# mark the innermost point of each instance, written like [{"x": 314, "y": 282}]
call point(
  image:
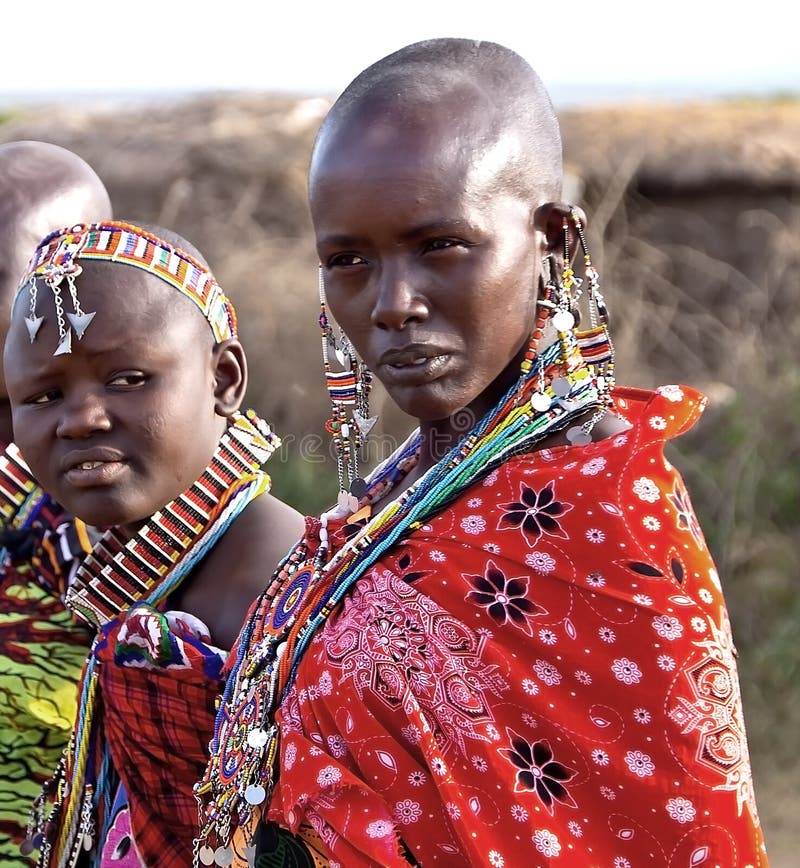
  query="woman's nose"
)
[
  {"x": 399, "y": 301},
  {"x": 82, "y": 416}
]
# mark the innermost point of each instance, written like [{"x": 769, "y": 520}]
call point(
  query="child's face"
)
[{"x": 126, "y": 421}]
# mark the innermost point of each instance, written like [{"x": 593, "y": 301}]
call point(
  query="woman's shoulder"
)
[{"x": 669, "y": 411}]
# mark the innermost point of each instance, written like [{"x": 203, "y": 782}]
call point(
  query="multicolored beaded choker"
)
[
  {"x": 555, "y": 389},
  {"x": 119, "y": 573}
]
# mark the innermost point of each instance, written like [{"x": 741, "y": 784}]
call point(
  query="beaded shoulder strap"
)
[{"x": 20, "y": 493}]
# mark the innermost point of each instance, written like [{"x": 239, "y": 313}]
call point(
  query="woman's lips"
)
[{"x": 414, "y": 369}]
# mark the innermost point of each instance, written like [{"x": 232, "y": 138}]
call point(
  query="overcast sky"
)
[{"x": 583, "y": 50}]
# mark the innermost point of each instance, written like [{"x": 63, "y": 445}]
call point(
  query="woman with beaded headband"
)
[
  {"x": 125, "y": 376},
  {"x": 509, "y": 644}
]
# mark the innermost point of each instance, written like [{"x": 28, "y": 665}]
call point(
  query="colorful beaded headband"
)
[{"x": 56, "y": 260}]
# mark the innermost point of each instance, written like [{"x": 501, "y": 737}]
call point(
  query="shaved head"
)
[
  {"x": 43, "y": 187},
  {"x": 492, "y": 98}
]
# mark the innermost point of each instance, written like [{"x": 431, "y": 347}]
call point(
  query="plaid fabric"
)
[{"x": 159, "y": 679}]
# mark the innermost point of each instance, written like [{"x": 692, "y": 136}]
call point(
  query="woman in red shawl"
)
[{"x": 509, "y": 646}]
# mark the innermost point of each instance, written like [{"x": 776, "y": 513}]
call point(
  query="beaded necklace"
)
[
  {"x": 121, "y": 572},
  {"x": 21, "y": 497},
  {"x": 244, "y": 750}
]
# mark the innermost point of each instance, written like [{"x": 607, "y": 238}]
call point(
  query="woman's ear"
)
[
  {"x": 230, "y": 377},
  {"x": 549, "y": 219}
]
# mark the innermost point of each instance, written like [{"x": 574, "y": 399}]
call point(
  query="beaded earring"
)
[
  {"x": 595, "y": 342},
  {"x": 350, "y": 422}
]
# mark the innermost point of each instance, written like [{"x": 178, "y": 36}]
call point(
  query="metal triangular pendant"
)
[
  {"x": 365, "y": 424},
  {"x": 33, "y": 323},
  {"x": 65, "y": 345},
  {"x": 80, "y": 322}
]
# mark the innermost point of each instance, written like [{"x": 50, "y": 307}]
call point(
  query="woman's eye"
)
[
  {"x": 343, "y": 260},
  {"x": 130, "y": 379},
  {"x": 443, "y": 243}
]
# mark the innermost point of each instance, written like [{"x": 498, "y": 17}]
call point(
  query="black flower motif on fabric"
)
[
  {"x": 538, "y": 771},
  {"x": 536, "y": 513},
  {"x": 506, "y": 600},
  {"x": 276, "y": 847}
]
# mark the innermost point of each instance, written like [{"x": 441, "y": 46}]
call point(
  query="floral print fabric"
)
[{"x": 543, "y": 674}]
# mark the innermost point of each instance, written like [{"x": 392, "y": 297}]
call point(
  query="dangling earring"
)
[
  {"x": 544, "y": 305},
  {"x": 350, "y": 421},
  {"x": 64, "y": 332},
  {"x": 566, "y": 292},
  {"x": 595, "y": 343}
]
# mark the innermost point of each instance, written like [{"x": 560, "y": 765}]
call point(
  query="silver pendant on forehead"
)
[
  {"x": 33, "y": 324},
  {"x": 64, "y": 345},
  {"x": 80, "y": 322}
]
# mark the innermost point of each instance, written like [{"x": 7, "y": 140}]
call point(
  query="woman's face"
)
[{"x": 430, "y": 262}]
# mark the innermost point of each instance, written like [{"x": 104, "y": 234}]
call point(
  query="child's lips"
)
[
  {"x": 88, "y": 474},
  {"x": 84, "y": 468}
]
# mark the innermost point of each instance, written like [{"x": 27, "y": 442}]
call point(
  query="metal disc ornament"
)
[
  {"x": 255, "y": 794},
  {"x": 561, "y": 387},
  {"x": 541, "y": 401},
  {"x": 358, "y": 487},
  {"x": 578, "y": 437},
  {"x": 223, "y": 856},
  {"x": 563, "y": 320}
]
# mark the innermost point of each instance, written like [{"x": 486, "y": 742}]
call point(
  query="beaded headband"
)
[{"x": 56, "y": 260}]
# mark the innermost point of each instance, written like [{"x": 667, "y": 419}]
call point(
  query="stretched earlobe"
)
[
  {"x": 549, "y": 219},
  {"x": 230, "y": 375}
]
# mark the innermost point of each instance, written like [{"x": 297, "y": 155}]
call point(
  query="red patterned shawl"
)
[{"x": 542, "y": 674}]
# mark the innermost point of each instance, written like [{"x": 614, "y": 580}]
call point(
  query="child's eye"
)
[
  {"x": 45, "y": 397},
  {"x": 128, "y": 380},
  {"x": 344, "y": 260}
]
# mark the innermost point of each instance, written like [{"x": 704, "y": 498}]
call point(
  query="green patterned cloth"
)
[{"x": 42, "y": 650}]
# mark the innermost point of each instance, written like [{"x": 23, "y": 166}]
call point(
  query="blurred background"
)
[{"x": 681, "y": 126}]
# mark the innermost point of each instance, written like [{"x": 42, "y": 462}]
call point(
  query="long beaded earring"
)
[
  {"x": 540, "y": 401},
  {"x": 595, "y": 342},
  {"x": 350, "y": 422}
]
